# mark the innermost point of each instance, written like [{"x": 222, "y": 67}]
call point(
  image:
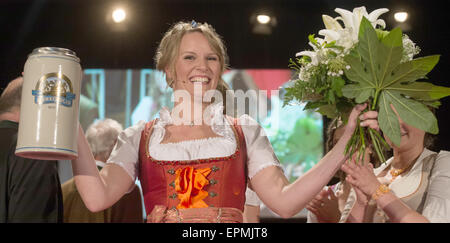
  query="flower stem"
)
[
  {"x": 376, "y": 145},
  {"x": 375, "y": 99}
]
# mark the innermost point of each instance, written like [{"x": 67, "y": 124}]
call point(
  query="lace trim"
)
[
  {"x": 265, "y": 166},
  {"x": 197, "y": 161},
  {"x": 192, "y": 141},
  {"x": 219, "y": 126}
]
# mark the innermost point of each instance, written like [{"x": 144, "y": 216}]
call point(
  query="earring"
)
[{"x": 170, "y": 82}]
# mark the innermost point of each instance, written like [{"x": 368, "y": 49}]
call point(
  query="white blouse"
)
[
  {"x": 259, "y": 150},
  {"x": 437, "y": 203}
]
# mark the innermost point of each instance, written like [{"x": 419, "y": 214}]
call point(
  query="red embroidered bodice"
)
[{"x": 212, "y": 182}]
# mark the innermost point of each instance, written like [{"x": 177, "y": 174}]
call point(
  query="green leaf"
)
[
  {"x": 313, "y": 40},
  {"x": 392, "y": 51},
  {"x": 413, "y": 113},
  {"x": 336, "y": 85},
  {"x": 368, "y": 48},
  {"x": 358, "y": 73},
  {"x": 388, "y": 120},
  {"x": 421, "y": 90},
  {"x": 376, "y": 72},
  {"x": 328, "y": 111},
  {"x": 314, "y": 105},
  {"x": 412, "y": 70},
  {"x": 360, "y": 93},
  {"x": 433, "y": 103}
]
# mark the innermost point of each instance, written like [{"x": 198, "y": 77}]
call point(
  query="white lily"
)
[
  {"x": 347, "y": 35},
  {"x": 331, "y": 23},
  {"x": 312, "y": 54},
  {"x": 353, "y": 19},
  {"x": 315, "y": 54}
]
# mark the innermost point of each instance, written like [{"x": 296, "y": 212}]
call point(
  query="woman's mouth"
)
[{"x": 200, "y": 80}]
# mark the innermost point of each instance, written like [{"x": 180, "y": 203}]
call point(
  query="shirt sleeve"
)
[
  {"x": 126, "y": 150},
  {"x": 259, "y": 149},
  {"x": 251, "y": 198},
  {"x": 34, "y": 191},
  {"x": 437, "y": 204}
]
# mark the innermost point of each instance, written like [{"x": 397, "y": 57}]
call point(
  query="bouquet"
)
[{"x": 360, "y": 62}]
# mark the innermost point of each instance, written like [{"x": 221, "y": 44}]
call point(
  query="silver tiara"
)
[{"x": 194, "y": 24}]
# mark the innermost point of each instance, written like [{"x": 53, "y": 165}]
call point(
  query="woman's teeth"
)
[{"x": 200, "y": 80}]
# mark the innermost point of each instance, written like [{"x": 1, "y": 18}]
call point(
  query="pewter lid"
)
[{"x": 55, "y": 51}]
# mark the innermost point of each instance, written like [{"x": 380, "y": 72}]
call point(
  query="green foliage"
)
[{"x": 380, "y": 79}]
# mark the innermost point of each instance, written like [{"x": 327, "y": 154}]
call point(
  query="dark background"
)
[{"x": 82, "y": 26}]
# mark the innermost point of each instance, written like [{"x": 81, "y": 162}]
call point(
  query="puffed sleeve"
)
[
  {"x": 437, "y": 203},
  {"x": 259, "y": 150},
  {"x": 126, "y": 150}
]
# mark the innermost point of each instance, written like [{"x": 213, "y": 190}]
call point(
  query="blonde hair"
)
[{"x": 168, "y": 48}]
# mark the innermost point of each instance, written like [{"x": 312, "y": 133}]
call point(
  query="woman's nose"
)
[{"x": 202, "y": 64}]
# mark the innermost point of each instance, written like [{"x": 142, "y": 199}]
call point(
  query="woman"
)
[
  {"x": 412, "y": 186},
  {"x": 194, "y": 166}
]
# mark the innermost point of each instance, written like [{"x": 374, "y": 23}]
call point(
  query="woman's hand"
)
[
  {"x": 325, "y": 206},
  {"x": 361, "y": 198},
  {"x": 367, "y": 119},
  {"x": 361, "y": 177}
]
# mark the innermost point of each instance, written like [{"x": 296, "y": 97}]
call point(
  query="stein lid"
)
[{"x": 55, "y": 51}]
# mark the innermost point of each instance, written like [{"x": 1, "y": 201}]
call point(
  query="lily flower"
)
[
  {"x": 353, "y": 19},
  {"x": 336, "y": 32},
  {"x": 312, "y": 54}
]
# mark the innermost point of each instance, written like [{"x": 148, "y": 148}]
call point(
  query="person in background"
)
[
  {"x": 412, "y": 186},
  {"x": 328, "y": 205},
  {"x": 30, "y": 190},
  {"x": 102, "y": 136}
]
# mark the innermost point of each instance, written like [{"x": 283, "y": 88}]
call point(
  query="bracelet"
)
[{"x": 381, "y": 190}]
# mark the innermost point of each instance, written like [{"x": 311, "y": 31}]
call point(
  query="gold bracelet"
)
[{"x": 381, "y": 190}]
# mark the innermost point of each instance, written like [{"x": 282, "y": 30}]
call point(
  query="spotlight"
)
[
  {"x": 118, "y": 15},
  {"x": 401, "y": 16},
  {"x": 263, "y": 22},
  {"x": 263, "y": 19}
]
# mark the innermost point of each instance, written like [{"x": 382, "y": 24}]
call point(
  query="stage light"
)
[
  {"x": 118, "y": 15},
  {"x": 263, "y": 19},
  {"x": 401, "y": 16}
]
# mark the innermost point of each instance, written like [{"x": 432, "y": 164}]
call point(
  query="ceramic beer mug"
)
[{"x": 48, "y": 126}]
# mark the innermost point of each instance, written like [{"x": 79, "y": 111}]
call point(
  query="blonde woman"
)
[{"x": 194, "y": 162}]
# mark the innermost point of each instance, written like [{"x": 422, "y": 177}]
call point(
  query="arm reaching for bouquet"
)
[{"x": 288, "y": 199}]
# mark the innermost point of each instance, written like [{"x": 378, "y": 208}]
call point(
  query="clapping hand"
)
[
  {"x": 361, "y": 177},
  {"x": 325, "y": 206}
]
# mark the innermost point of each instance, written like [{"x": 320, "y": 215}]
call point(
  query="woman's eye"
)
[
  {"x": 189, "y": 57},
  {"x": 212, "y": 58}
]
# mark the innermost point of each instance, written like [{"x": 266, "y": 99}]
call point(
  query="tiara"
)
[{"x": 194, "y": 24}]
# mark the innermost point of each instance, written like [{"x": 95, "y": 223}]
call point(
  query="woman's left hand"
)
[
  {"x": 367, "y": 119},
  {"x": 362, "y": 177}
]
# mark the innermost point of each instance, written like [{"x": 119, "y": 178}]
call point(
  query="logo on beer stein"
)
[{"x": 52, "y": 88}]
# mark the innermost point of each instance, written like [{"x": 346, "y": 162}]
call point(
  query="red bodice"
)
[{"x": 212, "y": 182}]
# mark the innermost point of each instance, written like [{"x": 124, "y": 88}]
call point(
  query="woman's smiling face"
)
[{"x": 197, "y": 65}]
